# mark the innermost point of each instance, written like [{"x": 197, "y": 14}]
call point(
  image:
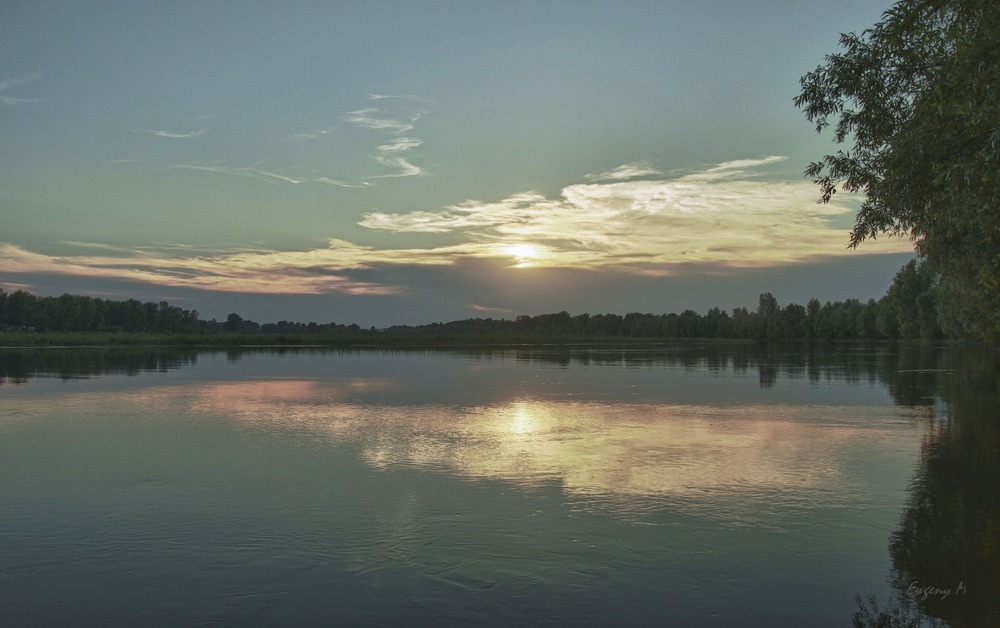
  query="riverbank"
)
[{"x": 366, "y": 339}]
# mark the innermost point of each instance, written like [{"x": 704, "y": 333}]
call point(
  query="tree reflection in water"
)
[{"x": 946, "y": 552}]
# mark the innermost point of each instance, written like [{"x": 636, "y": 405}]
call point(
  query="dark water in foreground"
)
[{"x": 676, "y": 485}]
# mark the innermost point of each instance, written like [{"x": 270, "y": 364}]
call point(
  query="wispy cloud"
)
[
  {"x": 371, "y": 118},
  {"x": 172, "y": 134},
  {"x": 14, "y": 101},
  {"x": 625, "y": 171},
  {"x": 392, "y": 155},
  {"x": 405, "y": 97},
  {"x": 11, "y": 286},
  {"x": 736, "y": 169},
  {"x": 728, "y": 214},
  {"x": 260, "y": 174},
  {"x": 317, "y": 271},
  {"x": 499, "y": 310},
  {"x": 314, "y": 134},
  {"x": 100, "y": 246},
  {"x": 399, "y": 115},
  {"x": 262, "y": 271}
]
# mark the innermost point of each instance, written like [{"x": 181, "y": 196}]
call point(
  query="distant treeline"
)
[
  {"x": 24, "y": 311},
  {"x": 916, "y": 306}
]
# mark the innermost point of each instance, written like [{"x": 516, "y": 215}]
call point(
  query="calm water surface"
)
[{"x": 698, "y": 486}]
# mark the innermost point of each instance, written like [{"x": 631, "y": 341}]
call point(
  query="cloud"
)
[
  {"x": 314, "y": 271},
  {"x": 483, "y": 308},
  {"x": 248, "y": 270},
  {"x": 172, "y": 134},
  {"x": 267, "y": 175},
  {"x": 625, "y": 171},
  {"x": 6, "y": 84},
  {"x": 14, "y": 101},
  {"x": 407, "y": 97},
  {"x": 261, "y": 271},
  {"x": 740, "y": 168},
  {"x": 391, "y": 155},
  {"x": 99, "y": 246},
  {"x": 14, "y": 287},
  {"x": 314, "y": 134},
  {"x": 728, "y": 213},
  {"x": 370, "y": 119},
  {"x": 398, "y": 116},
  {"x": 724, "y": 215}
]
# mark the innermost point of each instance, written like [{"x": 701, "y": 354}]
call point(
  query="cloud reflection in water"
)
[{"x": 620, "y": 454}]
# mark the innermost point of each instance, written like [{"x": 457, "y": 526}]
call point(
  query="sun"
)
[{"x": 524, "y": 254}]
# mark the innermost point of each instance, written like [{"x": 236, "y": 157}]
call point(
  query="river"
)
[{"x": 696, "y": 485}]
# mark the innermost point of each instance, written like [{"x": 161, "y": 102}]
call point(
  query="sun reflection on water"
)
[
  {"x": 594, "y": 450},
  {"x": 524, "y": 422},
  {"x": 622, "y": 453}
]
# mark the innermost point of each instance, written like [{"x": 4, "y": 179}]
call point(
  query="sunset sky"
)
[{"x": 412, "y": 162}]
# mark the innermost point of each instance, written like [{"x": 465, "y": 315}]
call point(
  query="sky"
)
[{"x": 410, "y": 162}]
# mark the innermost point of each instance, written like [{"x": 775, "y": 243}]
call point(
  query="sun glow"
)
[
  {"x": 723, "y": 215},
  {"x": 524, "y": 254}
]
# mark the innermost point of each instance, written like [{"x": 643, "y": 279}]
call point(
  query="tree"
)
[
  {"x": 767, "y": 312},
  {"x": 767, "y": 305},
  {"x": 919, "y": 96},
  {"x": 717, "y": 324},
  {"x": 887, "y": 319},
  {"x": 913, "y": 294},
  {"x": 813, "y": 309},
  {"x": 866, "y": 321},
  {"x": 21, "y": 308},
  {"x": 961, "y": 314},
  {"x": 234, "y": 322},
  {"x": 793, "y": 321},
  {"x": 947, "y": 532}
]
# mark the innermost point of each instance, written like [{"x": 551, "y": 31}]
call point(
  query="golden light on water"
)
[
  {"x": 523, "y": 421},
  {"x": 623, "y": 456},
  {"x": 617, "y": 451},
  {"x": 622, "y": 449}
]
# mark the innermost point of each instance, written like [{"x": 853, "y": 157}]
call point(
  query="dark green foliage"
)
[
  {"x": 945, "y": 551},
  {"x": 895, "y": 615},
  {"x": 918, "y": 95},
  {"x": 913, "y": 298},
  {"x": 919, "y": 305},
  {"x": 840, "y": 320},
  {"x": 70, "y": 313}
]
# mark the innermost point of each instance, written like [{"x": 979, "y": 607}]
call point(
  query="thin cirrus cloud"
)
[
  {"x": 268, "y": 175},
  {"x": 724, "y": 215},
  {"x": 372, "y": 118},
  {"x": 625, "y": 171},
  {"x": 398, "y": 115},
  {"x": 393, "y": 114},
  {"x": 392, "y": 155},
  {"x": 14, "y": 101},
  {"x": 172, "y": 134},
  {"x": 314, "y": 134}
]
